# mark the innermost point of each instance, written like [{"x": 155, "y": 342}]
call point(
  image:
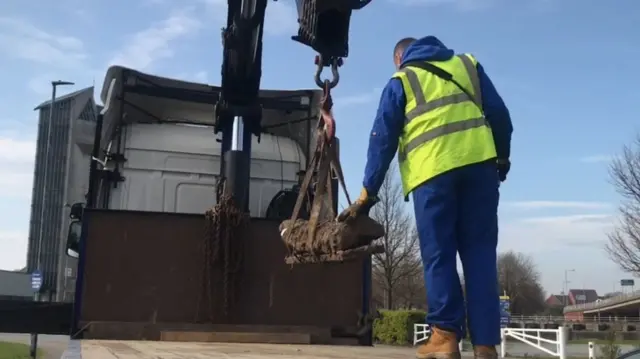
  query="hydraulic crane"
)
[{"x": 323, "y": 26}]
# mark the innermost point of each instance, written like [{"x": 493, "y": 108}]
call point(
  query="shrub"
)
[
  {"x": 396, "y": 326},
  {"x": 609, "y": 349}
]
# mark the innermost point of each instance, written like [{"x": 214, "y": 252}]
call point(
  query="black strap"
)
[{"x": 443, "y": 75}]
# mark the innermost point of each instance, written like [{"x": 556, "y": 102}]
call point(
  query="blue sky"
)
[{"x": 565, "y": 69}]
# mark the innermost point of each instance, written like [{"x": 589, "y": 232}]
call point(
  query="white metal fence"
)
[
  {"x": 534, "y": 338},
  {"x": 421, "y": 333}
]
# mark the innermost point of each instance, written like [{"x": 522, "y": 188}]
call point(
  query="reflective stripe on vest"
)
[
  {"x": 441, "y": 131},
  {"x": 422, "y": 106},
  {"x": 429, "y": 130}
]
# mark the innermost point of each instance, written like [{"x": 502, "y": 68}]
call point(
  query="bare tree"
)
[
  {"x": 624, "y": 241},
  {"x": 520, "y": 280},
  {"x": 397, "y": 273}
]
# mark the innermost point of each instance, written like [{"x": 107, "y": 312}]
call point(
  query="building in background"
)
[
  {"x": 67, "y": 166},
  {"x": 582, "y": 296},
  {"x": 557, "y": 301},
  {"x": 15, "y": 285},
  {"x": 575, "y": 296}
]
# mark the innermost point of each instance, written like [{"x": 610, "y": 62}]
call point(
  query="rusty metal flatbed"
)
[{"x": 104, "y": 349}]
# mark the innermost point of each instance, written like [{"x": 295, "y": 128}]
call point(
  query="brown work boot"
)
[
  {"x": 440, "y": 345},
  {"x": 485, "y": 352}
]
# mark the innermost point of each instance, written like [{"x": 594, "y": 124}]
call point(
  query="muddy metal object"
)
[
  {"x": 333, "y": 241},
  {"x": 326, "y": 240}
]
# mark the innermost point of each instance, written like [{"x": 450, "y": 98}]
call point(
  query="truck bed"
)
[{"x": 103, "y": 349}]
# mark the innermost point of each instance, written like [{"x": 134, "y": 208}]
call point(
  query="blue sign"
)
[
  {"x": 36, "y": 280},
  {"x": 505, "y": 311}
]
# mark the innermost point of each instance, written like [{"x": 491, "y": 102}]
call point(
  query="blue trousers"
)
[{"x": 457, "y": 213}]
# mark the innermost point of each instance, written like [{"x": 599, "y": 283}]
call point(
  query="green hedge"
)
[{"x": 396, "y": 326}]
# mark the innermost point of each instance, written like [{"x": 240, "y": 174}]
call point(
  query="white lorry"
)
[{"x": 145, "y": 286}]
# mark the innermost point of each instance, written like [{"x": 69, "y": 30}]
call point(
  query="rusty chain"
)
[
  {"x": 222, "y": 243},
  {"x": 223, "y": 254}
]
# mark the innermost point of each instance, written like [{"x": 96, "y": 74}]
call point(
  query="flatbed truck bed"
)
[{"x": 115, "y": 349}]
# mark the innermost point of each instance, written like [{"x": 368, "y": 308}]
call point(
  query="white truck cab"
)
[{"x": 174, "y": 168}]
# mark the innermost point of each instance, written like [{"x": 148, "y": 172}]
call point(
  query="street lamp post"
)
[
  {"x": 45, "y": 179},
  {"x": 566, "y": 286}
]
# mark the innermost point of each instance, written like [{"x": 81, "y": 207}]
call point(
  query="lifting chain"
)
[
  {"x": 326, "y": 119},
  {"x": 326, "y": 103},
  {"x": 324, "y": 164},
  {"x": 223, "y": 254}
]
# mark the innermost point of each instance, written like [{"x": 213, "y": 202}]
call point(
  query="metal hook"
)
[{"x": 334, "y": 64}]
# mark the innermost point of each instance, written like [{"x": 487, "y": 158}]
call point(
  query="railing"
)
[
  {"x": 603, "y": 303},
  {"x": 551, "y": 318},
  {"x": 421, "y": 332},
  {"x": 536, "y": 340}
]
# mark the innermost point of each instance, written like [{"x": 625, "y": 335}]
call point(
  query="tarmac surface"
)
[{"x": 55, "y": 346}]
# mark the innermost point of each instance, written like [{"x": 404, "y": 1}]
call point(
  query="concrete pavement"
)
[{"x": 55, "y": 345}]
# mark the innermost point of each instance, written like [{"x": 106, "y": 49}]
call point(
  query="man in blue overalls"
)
[{"x": 452, "y": 132}]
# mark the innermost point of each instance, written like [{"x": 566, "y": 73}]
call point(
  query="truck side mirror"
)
[
  {"x": 76, "y": 211},
  {"x": 73, "y": 239}
]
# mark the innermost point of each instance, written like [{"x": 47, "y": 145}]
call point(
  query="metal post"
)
[
  {"x": 592, "y": 350},
  {"x": 563, "y": 334},
  {"x": 503, "y": 343},
  {"x": 54, "y": 85}
]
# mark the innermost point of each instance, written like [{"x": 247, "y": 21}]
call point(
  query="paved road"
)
[
  {"x": 519, "y": 349},
  {"x": 55, "y": 345}
]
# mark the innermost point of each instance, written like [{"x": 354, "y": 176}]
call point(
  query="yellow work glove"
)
[{"x": 361, "y": 206}]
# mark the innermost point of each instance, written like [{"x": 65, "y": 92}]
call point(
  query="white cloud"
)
[
  {"x": 199, "y": 76},
  {"x": 41, "y": 84},
  {"x": 534, "y": 205},
  {"x": 463, "y": 5},
  {"x": 154, "y": 43},
  {"x": 560, "y": 242},
  {"x": 280, "y": 19},
  {"x": 16, "y": 151},
  {"x": 16, "y": 165},
  {"x": 17, "y": 157},
  {"x": 21, "y": 39},
  {"x": 358, "y": 99},
  {"x": 536, "y": 234},
  {"x": 596, "y": 159},
  {"x": 12, "y": 243}
]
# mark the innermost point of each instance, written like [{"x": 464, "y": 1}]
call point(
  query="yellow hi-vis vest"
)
[{"x": 444, "y": 128}]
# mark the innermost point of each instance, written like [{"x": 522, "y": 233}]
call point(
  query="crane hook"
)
[{"x": 334, "y": 63}]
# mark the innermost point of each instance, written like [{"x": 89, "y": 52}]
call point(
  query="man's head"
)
[{"x": 398, "y": 51}]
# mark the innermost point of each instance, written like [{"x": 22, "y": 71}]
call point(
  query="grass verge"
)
[{"x": 16, "y": 351}]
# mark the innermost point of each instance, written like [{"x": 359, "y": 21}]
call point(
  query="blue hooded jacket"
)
[{"x": 389, "y": 121}]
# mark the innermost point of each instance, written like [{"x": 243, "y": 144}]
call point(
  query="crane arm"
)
[{"x": 323, "y": 26}]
